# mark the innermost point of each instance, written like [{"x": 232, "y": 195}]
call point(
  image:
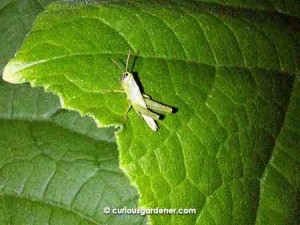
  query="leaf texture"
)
[{"x": 231, "y": 72}]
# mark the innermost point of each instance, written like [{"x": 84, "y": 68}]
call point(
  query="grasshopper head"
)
[{"x": 127, "y": 77}]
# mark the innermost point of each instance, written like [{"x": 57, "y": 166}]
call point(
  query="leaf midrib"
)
[{"x": 28, "y": 65}]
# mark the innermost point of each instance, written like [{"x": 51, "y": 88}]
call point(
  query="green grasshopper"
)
[{"x": 141, "y": 102}]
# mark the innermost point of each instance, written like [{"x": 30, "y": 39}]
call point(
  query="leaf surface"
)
[
  {"x": 230, "y": 72},
  {"x": 55, "y": 166}
]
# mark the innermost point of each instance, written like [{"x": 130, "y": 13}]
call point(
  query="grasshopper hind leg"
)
[
  {"x": 157, "y": 107},
  {"x": 145, "y": 111}
]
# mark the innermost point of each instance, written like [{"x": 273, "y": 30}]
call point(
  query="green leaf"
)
[
  {"x": 231, "y": 73},
  {"x": 291, "y": 7},
  {"x": 55, "y": 166},
  {"x": 16, "y": 18},
  {"x": 64, "y": 176},
  {"x": 279, "y": 201},
  {"x": 57, "y": 163}
]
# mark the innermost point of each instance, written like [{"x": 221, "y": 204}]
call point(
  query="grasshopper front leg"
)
[{"x": 128, "y": 109}]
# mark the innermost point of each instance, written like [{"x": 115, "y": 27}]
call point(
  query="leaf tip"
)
[{"x": 11, "y": 75}]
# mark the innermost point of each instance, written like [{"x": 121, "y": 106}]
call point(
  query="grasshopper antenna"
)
[
  {"x": 127, "y": 61},
  {"x": 118, "y": 65}
]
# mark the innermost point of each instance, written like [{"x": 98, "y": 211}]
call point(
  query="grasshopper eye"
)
[{"x": 125, "y": 75}]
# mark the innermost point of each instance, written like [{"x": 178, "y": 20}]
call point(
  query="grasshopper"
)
[{"x": 142, "y": 103}]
